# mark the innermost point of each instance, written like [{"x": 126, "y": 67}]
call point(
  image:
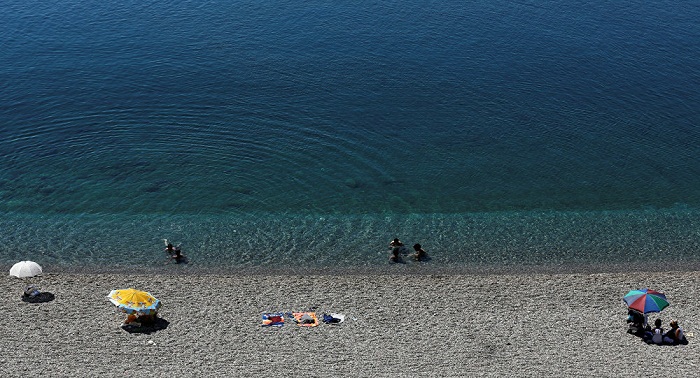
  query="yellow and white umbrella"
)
[{"x": 132, "y": 301}]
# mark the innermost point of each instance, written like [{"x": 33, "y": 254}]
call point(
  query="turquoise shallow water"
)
[
  {"x": 284, "y": 133},
  {"x": 508, "y": 240}
]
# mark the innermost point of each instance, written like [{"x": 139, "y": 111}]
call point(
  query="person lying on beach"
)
[
  {"x": 31, "y": 291},
  {"x": 306, "y": 319},
  {"x": 420, "y": 253}
]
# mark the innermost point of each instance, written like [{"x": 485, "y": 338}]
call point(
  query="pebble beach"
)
[
  {"x": 544, "y": 154},
  {"x": 450, "y": 325}
]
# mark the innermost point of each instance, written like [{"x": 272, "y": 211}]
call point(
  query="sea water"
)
[{"x": 311, "y": 133}]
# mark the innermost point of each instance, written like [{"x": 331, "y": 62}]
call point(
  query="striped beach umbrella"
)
[
  {"x": 645, "y": 300},
  {"x": 132, "y": 301}
]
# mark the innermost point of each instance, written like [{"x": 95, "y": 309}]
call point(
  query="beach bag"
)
[{"x": 330, "y": 319}]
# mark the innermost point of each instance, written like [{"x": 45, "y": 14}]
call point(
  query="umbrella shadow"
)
[
  {"x": 39, "y": 298},
  {"x": 157, "y": 325}
]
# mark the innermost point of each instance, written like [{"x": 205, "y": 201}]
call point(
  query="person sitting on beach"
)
[
  {"x": 675, "y": 335},
  {"x": 148, "y": 320},
  {"x": 636, "y": 322},
  {"x": 131, "y": 320},
  {"x": 656, "y": 335},
  {"x": 420, "y": 253}
]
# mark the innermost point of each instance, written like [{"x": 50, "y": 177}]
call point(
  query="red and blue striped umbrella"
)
[{"x": 645, "y": 300}]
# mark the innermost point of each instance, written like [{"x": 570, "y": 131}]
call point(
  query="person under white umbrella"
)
[{"x": 31, "y": 293}]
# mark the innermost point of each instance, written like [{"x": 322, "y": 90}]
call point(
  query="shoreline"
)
[
  {"x": 494, "y": 242},
  {"x": 396, "y": 325},
  {"x": 384, "y": 268}
]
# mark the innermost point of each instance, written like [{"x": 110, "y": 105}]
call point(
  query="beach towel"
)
[
  {"x": 306, "y": 319},
  {"x": 275, "y": 319},
  {"x": 333, "y": 318}
]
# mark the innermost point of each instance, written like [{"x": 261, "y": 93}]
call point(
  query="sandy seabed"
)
[{"x": 453, "y": 325}]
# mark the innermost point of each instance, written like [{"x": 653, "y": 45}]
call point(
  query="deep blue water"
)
[{"x": 310, "y": 133}]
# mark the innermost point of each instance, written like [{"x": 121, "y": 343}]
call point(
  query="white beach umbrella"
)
[{"x": 24, "y": 269}]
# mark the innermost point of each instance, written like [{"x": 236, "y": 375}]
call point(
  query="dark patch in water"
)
[
  {"x": 392, "y": 182},
  {"x": 46, "y": 190},
  {"x": 47, "y": 152},
  {"x": 242, "y": 190},
  {"x": 122, "y": 169},
  {"x": 13, "y": 175},
  {"x": 157, "y": 186},
  {"x": 353, "y": 184},
  {"x": 236, "y": 205}
]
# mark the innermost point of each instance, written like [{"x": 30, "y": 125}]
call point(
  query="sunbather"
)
[
  {"x": 273, "y": 319},
  {"x": 306, "y": 319},
  {"x": 31, "y": 291}
]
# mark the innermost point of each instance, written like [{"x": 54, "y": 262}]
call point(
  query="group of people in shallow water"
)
[
  {"x": 396, "y": 246},
  {"x": 174, "y": 253},
  {"x": 638, "y": 326}
]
